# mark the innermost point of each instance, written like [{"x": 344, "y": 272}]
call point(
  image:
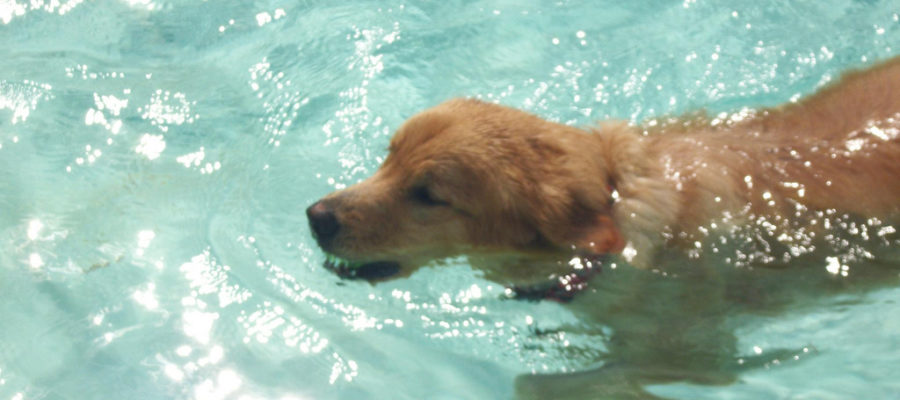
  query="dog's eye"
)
[{"x": 423, "y": 195}]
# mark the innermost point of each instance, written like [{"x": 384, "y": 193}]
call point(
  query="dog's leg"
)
[
  {"x": 665, "y": 328},
  {"x": 602, "y": 383},
  {"x": 561, "y": 288}
]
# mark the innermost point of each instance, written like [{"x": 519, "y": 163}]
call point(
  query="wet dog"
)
[
  {"x": 470, "y": 177},
  {"x": 774, "y": 195}
]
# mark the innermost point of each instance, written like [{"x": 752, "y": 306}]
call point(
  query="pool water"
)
[{"x": 156, "y": 159}]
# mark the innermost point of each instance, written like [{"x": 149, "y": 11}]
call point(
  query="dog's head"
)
[{"x": 471, "y": 177}]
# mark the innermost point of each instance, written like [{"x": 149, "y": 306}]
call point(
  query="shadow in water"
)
[{"x": 679, "y": 326}]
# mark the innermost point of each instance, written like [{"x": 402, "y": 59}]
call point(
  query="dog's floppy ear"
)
[
  {"x": 583, "y": 221},
  {"x": 599, "y": 236}
]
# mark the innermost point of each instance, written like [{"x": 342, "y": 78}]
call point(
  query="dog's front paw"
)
[{"x": 561, "y": 289}]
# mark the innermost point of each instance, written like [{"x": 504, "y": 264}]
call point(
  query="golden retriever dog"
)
[
  {"x": 484, "y": 180},
  {"x": 473, "y": 177}
]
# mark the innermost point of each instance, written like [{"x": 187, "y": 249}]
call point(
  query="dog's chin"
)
[{"x": 373, "y": 271}]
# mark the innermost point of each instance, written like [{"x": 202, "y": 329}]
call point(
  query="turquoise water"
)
[{"x": 156, "y": 159}]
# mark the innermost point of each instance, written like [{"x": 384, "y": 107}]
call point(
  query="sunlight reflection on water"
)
[{"x": 159, "y": 157}]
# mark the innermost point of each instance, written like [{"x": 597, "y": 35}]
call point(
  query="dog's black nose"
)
[{"x": 323, "y": 222}]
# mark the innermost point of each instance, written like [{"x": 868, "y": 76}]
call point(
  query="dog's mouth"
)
[{"x": 369, "y": 271}]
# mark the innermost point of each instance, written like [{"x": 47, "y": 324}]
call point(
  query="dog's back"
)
[
  {"x": 838, "y": 149},
  {"x": 858, "y": 98},
  {"x": 851, "y": 134}
]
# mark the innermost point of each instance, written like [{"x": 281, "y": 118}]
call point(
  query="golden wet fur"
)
[
  {"x": 805, "y": 181},
  {"x": 470, "y": 177}
]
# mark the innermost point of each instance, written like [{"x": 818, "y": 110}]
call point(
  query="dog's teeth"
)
[{"x": 340, "y": 264}]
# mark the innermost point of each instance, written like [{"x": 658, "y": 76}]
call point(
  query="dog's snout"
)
[{"x": 323, "y": 222}]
